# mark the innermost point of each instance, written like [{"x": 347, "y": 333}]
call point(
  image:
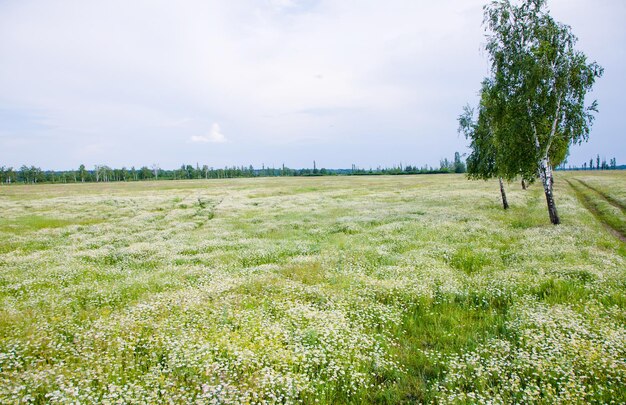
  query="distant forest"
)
[{"x": 103, "y": 173}]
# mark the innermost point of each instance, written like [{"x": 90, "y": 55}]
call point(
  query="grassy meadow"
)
[{"x": 402, "y": 289}]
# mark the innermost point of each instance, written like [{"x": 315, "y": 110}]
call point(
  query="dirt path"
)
[
  {"x": 606, "y": 197},
  {"x": 589, "y": 205}
]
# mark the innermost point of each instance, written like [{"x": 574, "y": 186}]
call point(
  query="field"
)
[{"x": 357, "y": 290}]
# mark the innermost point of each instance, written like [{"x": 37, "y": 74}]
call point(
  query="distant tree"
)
[
  {"x": 540, "y": 81},
  {"x": 155, "y": 170},
  {"x": 459, "y": 166},
  {"x": 37, "y": 174},
  {"x": 10, "y": 175},
  {"x": 145, "y": 173},
  {"x": 24, "y": 174},
  {"x": 444, "y": 165},
  {"x": 82, "y": 173},
  {"x": 107, "y": 173},
  {"x": 189, "y": 172}
]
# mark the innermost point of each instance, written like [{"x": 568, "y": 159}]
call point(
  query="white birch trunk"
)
[{"x": 547, "y": 179}]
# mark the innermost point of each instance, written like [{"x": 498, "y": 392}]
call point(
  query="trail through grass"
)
[
  {"x": 608, "y": 210},
  {"x": 607, "y": 197}
]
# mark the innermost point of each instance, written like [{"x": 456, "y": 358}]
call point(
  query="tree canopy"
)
[{"x": 533, "y": 105}]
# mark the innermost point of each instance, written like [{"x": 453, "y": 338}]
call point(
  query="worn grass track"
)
[
  {"x": 607, "y": 210},
  {"x": 607, "y": 197}
]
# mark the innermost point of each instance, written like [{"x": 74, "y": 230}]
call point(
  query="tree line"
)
[
  {"x": 599, "y": 165},
  {"x": 103, "y": 173}
]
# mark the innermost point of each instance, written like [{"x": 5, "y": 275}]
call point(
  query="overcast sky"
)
[{"x": 239, "y": 82}]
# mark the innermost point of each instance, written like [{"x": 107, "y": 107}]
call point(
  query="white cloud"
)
[
  {"x": 215, "y": 135},
  {"x": 281, "y": 4}
]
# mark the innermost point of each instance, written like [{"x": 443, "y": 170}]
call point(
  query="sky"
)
[{"x": 265, "y": 82}]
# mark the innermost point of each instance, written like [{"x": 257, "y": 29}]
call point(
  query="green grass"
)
[
  {"x": 312, "y": 290},
  {"x": 31, "y": 223}
]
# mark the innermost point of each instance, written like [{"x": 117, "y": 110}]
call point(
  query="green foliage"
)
[{"x": 539, "y": 80}]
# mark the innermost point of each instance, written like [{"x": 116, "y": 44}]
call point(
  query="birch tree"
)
[
  {"x": 82, "y": 172},
  {"x": 482, "y": 163},
  {"x": 10, "y": 175},
  {"x": 540, "y": 82}
]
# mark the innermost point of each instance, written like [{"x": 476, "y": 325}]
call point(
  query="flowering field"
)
[{"x": 301, "y": 290}]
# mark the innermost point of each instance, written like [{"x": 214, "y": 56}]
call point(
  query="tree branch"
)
[{"x": 554, "y": 124}]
